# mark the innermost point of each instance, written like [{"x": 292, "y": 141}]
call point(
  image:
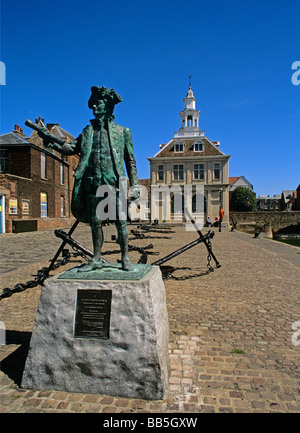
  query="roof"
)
[
  {"x": 210, "y": 149},
  {"x": 55, "y": 129},
  {"x": 12, "y": 138},
  {"x": 232, "y": 180},
  {"x": 263, "y": 197},
  {"x": 288, "y": 195},
  {"x": 145, "y": 183},
  {"x": 60, "y": 132}
]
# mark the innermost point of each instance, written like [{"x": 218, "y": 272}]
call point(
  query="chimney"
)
[
  {"x": 39, "y": 120},
  {"x": 51, "y": 125},
  {"x": 18, "y": 130}
]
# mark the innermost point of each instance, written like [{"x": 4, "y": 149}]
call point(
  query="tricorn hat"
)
[{"x": 104, "y": 93}]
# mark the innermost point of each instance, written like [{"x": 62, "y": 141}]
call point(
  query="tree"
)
[{"x": 243, "y": 199}]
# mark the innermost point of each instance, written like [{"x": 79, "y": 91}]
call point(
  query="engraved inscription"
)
[{"x": 92, "y": 316}]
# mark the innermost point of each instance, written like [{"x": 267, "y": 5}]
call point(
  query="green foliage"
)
[
  {"x": 243, "y": 200},
  {"x": 239, "y": 351}
]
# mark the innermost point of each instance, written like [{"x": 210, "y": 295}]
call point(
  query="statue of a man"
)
[{"x": 103, "y": 146}]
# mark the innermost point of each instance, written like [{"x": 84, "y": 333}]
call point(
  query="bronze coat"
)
[{"x": 122, "y": 151}]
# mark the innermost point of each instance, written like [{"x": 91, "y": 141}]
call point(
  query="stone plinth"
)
[{"x": 131, "y": 360}]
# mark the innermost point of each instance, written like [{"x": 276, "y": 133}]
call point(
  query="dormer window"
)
[
  {"x": 198, "y": 146},
  {"x": 178, "y": 146}
]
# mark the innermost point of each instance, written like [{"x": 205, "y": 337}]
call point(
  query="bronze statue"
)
[{"x": 103, "y": 146}]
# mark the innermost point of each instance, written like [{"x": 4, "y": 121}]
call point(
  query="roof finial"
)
[{"x": 190, "y": 82}]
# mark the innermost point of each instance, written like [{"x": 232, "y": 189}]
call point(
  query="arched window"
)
[
  {"x": 197, "y": 203},
  {"x": 177, "y": 203}
]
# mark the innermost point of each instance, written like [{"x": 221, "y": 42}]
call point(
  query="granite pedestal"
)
[{"x": 101, "y": 336}]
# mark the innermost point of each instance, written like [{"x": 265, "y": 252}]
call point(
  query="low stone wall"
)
[
  {"x": 250, "y": 221},
  {"x": 54, "y": 223},
  {"x": 45, "y": 223}
]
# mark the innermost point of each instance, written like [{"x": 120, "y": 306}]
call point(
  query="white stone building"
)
[{"x": 194, "y": 164}]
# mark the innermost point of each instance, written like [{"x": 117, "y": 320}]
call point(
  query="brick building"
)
[
  {"x": 35, "y": 182},
  {"x": 268, "y": 203}
]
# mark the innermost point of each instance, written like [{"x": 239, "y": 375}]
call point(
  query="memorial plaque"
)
[{"x": 92, "y": 316}]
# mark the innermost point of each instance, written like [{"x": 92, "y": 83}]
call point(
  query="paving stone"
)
[{"x": 250, "y": 303}]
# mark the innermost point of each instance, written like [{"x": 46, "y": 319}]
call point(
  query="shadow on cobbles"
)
[{"x": 13, "y": 365}]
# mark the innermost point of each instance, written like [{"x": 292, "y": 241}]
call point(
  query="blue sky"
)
[{"x": 239, "y": 53}]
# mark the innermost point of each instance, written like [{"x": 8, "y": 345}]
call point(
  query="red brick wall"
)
[
  {"x": 54, "y": 223},
  {"x": 25, "y": 183},
  {"x": 19, "y": 162},
  {"x": 8, "y": 187}
]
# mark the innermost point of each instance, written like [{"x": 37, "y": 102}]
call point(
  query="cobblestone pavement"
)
[{"x": 231, "y": 332}]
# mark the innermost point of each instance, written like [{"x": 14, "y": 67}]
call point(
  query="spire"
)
[
  {"x": 189, "y": 116},
  {"x": 190, "y": 100},
  {"x": 190, "y": 93}
]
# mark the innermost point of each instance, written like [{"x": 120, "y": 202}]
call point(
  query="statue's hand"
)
[
  {"x": 135, "y": 192},
  {"x": 53, "y": 146},
  {"x": 48, "y": 139}
]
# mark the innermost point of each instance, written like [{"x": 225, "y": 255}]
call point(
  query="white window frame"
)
[
  {"x": 13, "y": 210},
  {"x": 178, "y": 170},
  {"x": 62, "y": 206},
  {"x": 43, "y": 165},
  {"x": 198, "y": 143},
  {"x": 217, "y": 167},
  {"x": 28, "y": 203},
  {"x": 199, "y": 169},
  {"x": 179, "y": 146},
  {"x": 61, "y": 172},
  {"x": 160, "y": 171}
]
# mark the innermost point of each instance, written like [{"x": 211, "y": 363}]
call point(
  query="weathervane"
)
[{"x": 190, "y": 83}]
